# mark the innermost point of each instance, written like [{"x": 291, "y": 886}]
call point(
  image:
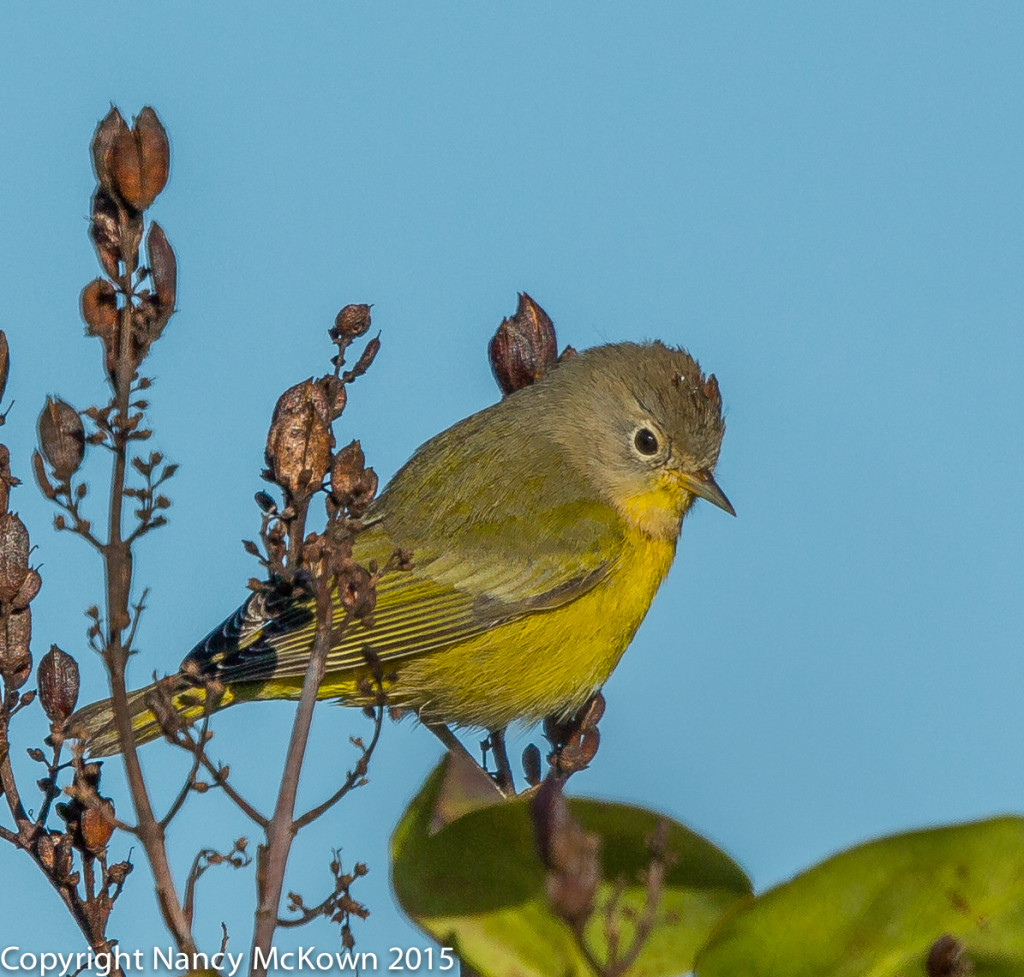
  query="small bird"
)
[{"x": 540, "y": 530}]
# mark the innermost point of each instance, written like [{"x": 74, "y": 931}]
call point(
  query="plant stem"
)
[
  {"x": 273, "y": 857},
  {"x": 117, "y": 565}
]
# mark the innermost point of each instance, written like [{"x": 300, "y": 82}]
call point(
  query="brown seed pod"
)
[
  {"x": 99, "y": 307},
  {"x": 5, "y": 362},
  {"x": 14, "y": 547},
  {"x": 125, "y": 169},
  {"x": 103, "y": 142},
  {"x": 15, "y": 658},
  {"x": 334, "y": 392},
  {"x": 61, "y": 438},
  {"x": 163, "y": 267},
  {"x": 39, "y": 469},
  {"x": 118, "y": 872},
  {"x": 27, "y": 591},
  {"x": 348, "y": 463},
  {"x": 46, "y": 852},
  {"x": 524, "y": 348},
  {"x": 7, "y": 480},
  {"x": 299, "y": 442},
  {"x": 353, "y": 485},
  {"x": 531, "y": 765},
  {"x": 57, "y": 675},
  {"x": 366, "y": 358},
  {"x": 351, "y": 323},
  {"x": 96, "y": 826},
  {"x": 136, "y": 161},
  {"x": 154, "y": 155}
]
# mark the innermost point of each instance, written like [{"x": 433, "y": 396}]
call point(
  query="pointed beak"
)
[{"x": 703, "y": 484}]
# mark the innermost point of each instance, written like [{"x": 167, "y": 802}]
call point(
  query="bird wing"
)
[
  {"x": 447, "y": 597},
  {"x": 499, "y": 525}
]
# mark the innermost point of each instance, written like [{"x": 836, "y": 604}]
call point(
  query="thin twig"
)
[
  {"x": 197, "y": 747},
  {"x": 449, "y": 739},
  {"x": 240, "y": 802},
  {"x": 190, "y": 780},
  {"x": 186, "y": 789},
  {"x": 138, "y": 607},
  {"x": 205, "y": 858},
  {"x": 53, "y": 768}
]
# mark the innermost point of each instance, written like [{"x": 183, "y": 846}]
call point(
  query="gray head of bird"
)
[{"x": 646, "y": 426}]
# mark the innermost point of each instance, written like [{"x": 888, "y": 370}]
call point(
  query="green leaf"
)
[
  {"x": 476, "y": 884},
  {"x": 875, "y": 910}
]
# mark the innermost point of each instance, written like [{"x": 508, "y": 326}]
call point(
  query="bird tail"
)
[{"x": 175, "y": 698}]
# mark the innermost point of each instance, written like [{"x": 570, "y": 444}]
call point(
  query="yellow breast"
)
[{"x": 546, "y": 662}]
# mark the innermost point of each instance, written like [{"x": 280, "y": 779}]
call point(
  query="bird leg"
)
[
  {"x": 448, "y": 738},
  {"x": 495, "y": 742}
]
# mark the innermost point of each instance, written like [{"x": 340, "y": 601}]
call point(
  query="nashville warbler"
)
[{"x": 540, "y": 529}]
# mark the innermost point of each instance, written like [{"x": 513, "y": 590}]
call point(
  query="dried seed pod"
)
[
  {"x": 103, "y": 142},
  {"x": 99, "y": 307},
  {"x": 363, "y": 493},
  {"x": 15, "y": 658},
  {"x": 524, "y": 348},
  {"x": 366, "y": 358},
  {"x": 46, "y": 852},
  {"x": 348, "y": 462},
  {"x": 164, "y": 269},
  {"x": 61, "y": 438},
  {"x": 334, "y": 392},
  {"x": 96, "y": 826},
  {"x": 39, "y": 468},
  {"x": 57, "y": 675},
  {"x": 531, "y": 764},
  {"x": 64, "y": 859},
  {"x": 137, "y": 160},
  {"x": 353, "y": 485},
  {"x": 14, "y": 547},
  {"x": 5, "y": 362},
  {"x": 154, "y": 155},
  {"x": 7, "y": 480},
  {"x": 27, "y": 591},
  {"x": 351, "y": 323},
  {"x": 299, "y": 442},
  {"x": 118, "y": 872},
  {"x": 124, "y": 167}
]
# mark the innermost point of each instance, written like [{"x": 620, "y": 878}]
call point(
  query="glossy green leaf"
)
[
  {"x": 477, "y": 885},
  {"x": 876, "y": 910}
]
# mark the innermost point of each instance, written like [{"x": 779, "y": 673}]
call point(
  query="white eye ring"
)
[{"x": 646, "y": 442}]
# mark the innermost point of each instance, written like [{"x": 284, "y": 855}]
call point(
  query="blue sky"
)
[{"x": 822, "y": 203}]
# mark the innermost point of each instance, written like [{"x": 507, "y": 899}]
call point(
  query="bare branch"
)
[{"x": 207, "y": 857}]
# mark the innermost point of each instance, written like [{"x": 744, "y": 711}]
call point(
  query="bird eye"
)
[{"x": 645, "y": 441}]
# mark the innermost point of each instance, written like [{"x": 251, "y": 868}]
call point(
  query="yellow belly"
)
[{"x": 544, "y": 663}]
